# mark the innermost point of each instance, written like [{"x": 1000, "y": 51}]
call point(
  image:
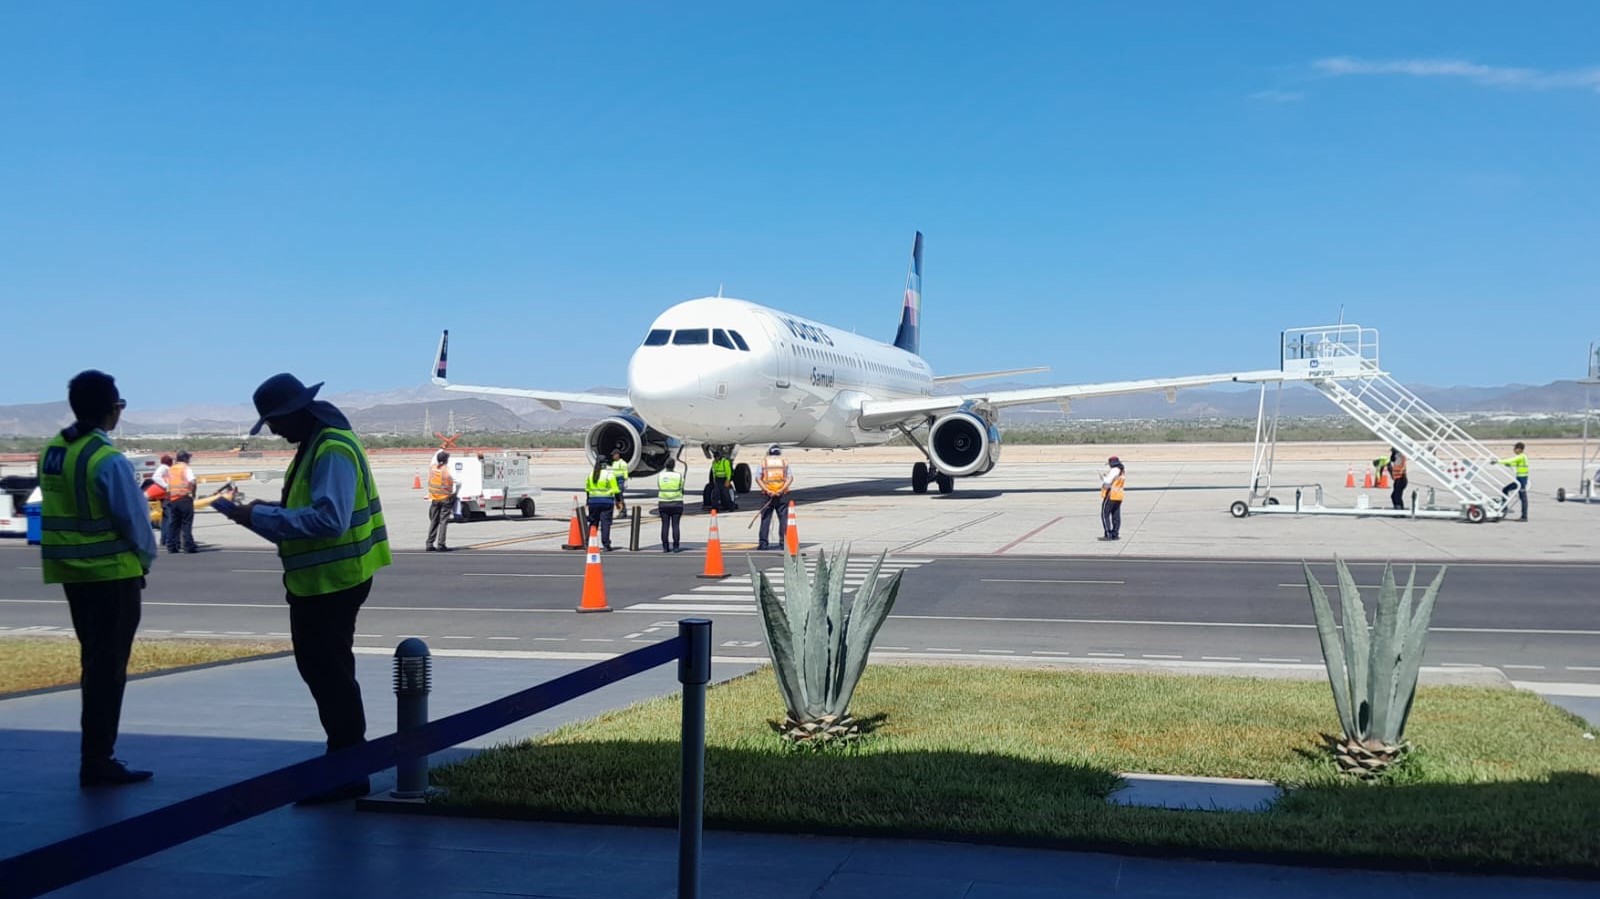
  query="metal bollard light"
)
[
  {"x": 694, "y": 672},
  {"x": 413, "y": 681},
  {"x": 633, "y": 533}
]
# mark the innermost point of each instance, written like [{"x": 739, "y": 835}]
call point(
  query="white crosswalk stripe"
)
[{"x": 736, "y": 595}]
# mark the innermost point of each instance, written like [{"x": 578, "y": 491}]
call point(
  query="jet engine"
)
[
  {"x": 964, "y": 444},
  {"x": 645, "y": 449}
]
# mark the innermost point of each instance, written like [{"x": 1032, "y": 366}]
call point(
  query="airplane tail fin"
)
[
  {"x": 441, "y": 359},
  {"x": 911, "y": 310}
]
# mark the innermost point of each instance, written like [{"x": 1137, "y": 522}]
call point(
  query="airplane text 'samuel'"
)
[{"x": 723, "y": 372}]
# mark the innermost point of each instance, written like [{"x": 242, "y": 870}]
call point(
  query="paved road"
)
[{"x": 1536, "y": 622}]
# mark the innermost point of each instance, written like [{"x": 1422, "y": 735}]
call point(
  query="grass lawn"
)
[
  {"x": 29, "y": 663},
  {"x": 1499, "y": 777}
]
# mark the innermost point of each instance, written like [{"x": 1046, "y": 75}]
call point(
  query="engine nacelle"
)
[
  {"x": 645, "y": 449},
  {"x": 964, "y": 444}
]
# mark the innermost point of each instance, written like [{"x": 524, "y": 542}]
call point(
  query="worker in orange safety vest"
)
[
  {"x": 775, "y": 481},
  {"x": 180, "y": 505},
  {"x": 441, "y": 502},
  {"x": 1112, "y": 483}
]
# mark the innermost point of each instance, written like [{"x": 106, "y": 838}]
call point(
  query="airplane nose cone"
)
[{"x": 657, "y": 379}]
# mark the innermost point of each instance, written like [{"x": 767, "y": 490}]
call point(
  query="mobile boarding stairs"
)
[{"x": 1341, "y": 361}]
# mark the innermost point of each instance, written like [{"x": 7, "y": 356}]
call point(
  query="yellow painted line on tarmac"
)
[{"x": 514, "y": 540}]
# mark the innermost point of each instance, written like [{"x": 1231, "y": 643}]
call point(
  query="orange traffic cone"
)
[
  {"x": 574, "y": 531},
  {"x": 1350, "y": 477},
  {"x": 1366, "y": 482},
  {"x": 594, "y": 580},
  {"x": 714, "y": 551},
  {"x": 1383, "y": 479},
  {"x": 416, "y": 480},
  {"x": 791, "y": 534}
]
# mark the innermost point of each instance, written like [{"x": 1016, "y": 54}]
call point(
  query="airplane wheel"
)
[
  {"x": 1561, "y": 494},
  {"x": 741, "y": 478},
  {"x": 1239, "y": 509},
  {"x": 946, "y": 483},
  {"x": 919, "y": 478}
]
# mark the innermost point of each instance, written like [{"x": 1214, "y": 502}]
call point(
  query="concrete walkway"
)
[{"x": 204, "y": 729}]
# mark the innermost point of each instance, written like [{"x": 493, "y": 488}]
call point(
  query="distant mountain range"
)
[{"x": 425, "y": 409}]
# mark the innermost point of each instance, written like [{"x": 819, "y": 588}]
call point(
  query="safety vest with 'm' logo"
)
[{"x": 79, "y": 542}]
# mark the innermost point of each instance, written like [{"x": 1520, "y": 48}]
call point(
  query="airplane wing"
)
[
  {"x": 886, "y": 413},
  {"x": 551, "y": 398}
]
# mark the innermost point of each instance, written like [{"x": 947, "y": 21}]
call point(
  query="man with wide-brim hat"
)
[{"x": 331, "y": 538}]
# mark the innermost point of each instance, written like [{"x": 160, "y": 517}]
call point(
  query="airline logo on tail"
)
[
  {"x": 444, "y": 351},
  {"x": 911, "y": 310}
]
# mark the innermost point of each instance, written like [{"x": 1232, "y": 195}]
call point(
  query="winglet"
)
[
  {"x": 911, "y": 309},
  {"x": 440, "y": 361}
]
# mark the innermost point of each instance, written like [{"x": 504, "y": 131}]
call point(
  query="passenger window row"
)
[{"x": 729, "y": 339}]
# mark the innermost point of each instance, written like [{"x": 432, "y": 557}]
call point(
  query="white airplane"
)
[{"x": 723, "y": 372}]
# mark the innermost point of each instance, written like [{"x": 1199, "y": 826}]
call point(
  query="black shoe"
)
[
  {"x": 677, "y": 549},
  {"x": 429, "y": 549},
  {"x": 355, "y": 789},
  {"x": 665, "y": 549},
  {"x": 109, "y": 773},
  {"x": 1103, "y": 537},
  {"x": 192, "y": 549},
  {"x": 446, "y": 549},
  {"x": 610, "y": 549}
]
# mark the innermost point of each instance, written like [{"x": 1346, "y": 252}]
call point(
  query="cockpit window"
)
[
  {"x": 739, "y": 340},
  {"x": 657, "y": 337},
  {"x": 720, "y": 338},
  {"x": 692, "y": 337}
]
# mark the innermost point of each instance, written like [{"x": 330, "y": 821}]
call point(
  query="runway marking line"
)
[
  {"x": 510, "y": 574},
  {"x": 1002, "y": 550}
]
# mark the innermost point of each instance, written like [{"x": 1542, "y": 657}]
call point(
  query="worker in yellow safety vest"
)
[
  {"x": 331, "y": 537},
  {"x": 601, "y": 489},
  {"x": 775, "y": 481},
  {"x": 1112, "y": 482},
  {"x": 441, "y": 502},
  {"x": 719, "y": 490},
  {"x": 96, "y": 544},
  {"x": 1519, "y": 466},
  {"x": 619, "y": 473},
  {"x": 180, "y": 506},
  {"x": 669, "y": 505}
]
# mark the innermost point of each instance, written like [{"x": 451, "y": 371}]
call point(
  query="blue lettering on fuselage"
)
[
  {"x": 804, "y": 331},
  {"x": 820, "y": 378}
]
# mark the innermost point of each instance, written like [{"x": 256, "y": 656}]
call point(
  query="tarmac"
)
[
  {"x": 204, "y": 729},
  {"x": 1044, "y": 502}
]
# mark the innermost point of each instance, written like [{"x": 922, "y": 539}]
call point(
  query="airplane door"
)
[{"x": 781, "y": 351}]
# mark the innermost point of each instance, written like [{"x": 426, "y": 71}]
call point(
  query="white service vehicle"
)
[
  {"x": 17, "y": 491},
  {"x": 492, "y": 481}
]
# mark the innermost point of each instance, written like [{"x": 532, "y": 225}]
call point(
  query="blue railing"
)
[{"x": 52, "y": 867}]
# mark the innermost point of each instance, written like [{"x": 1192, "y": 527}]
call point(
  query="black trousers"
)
[
  {"x": 105, "y": 615},
  {"x": 776, "y": 506},
  {"x": 181, "y": 534},
  {"x": 1397, "y": 496},
  {"x": 671, "y": 524},
  {"x": 439, "y": 512},
  {"x": 323, "y": 629},
  {"x": 600, "y": 517},
  {"x": 1111, "y": 517}
]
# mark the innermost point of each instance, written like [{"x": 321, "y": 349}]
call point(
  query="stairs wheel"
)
[
  {"x": 1561, "y": 494},
  {"x": 1239, "y": 509},
  {"x": 1475, "y": 514}
]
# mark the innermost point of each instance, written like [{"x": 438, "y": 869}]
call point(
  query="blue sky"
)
[{"x": 196, "y": 198}]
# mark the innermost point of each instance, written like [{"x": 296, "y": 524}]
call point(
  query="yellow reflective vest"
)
[
  {"x": 317, "y": 565},
  {"x": 79, "y": 542},
  {"x": 605, "y": 486},
  {"x": 669, "y": 486}
]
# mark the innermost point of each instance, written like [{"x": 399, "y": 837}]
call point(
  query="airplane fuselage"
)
[{"x": 726, "y": 371}]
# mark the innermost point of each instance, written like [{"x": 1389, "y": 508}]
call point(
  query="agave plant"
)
[
  {"x": 819, "y": 644},
  {"x": 1373, "y": 668}
]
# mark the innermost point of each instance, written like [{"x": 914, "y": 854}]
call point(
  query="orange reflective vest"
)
[
  {"x": 180, "y": 483},
  {"x": 1114, "y": 491},
  {"x": 1397, "y": 469},
  {"x": 773, "y": 476},
  {"x": 440, "y": 485}
]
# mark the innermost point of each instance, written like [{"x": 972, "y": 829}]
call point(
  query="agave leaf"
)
[
  {"x": 866, "y": 617},
  {"x": 796, "y": 590},
  {"x": 1357, "y": 648},
  {"x": 828, "y": 688},
  {"x": 1385, "y": 653},
  {"x": 1411, "y": 657},
  {"x": 780, "y": 643},
  {"x": 1332, "y": 652},
  {"x": 838, "y": 695},
  {"x": 814, "y": 665}
]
